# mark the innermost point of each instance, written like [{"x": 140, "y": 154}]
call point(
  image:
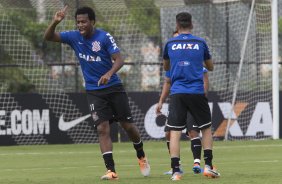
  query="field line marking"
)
[
  {"x": 123, "y": 165},
  {"x": 125, "y": 151}
]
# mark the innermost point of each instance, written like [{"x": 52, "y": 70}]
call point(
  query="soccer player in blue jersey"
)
[
  {"x": 100, "y": 59},
  {"x": 192, "y": 130},
  {"x": 184, "y": 57}
]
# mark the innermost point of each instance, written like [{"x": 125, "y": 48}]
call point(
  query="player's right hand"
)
[{"x": 60, "y": 15}]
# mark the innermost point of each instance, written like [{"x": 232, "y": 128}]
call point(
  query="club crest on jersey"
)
[
  {"x": 185, "y": 46},
  {"x": 96, "y": 46}
]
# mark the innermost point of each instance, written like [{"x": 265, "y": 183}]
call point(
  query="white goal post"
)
[{"x": 275, "y": 68}]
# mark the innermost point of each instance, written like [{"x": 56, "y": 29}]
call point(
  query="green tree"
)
[{"x": 146, "y": 15}]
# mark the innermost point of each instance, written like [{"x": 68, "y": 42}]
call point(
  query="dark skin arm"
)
[
  {"x": 118, "y": 63},
  {"x": 208, "y": 65},
  {"x": 50, "y": 33},
  {"x": 166, "y": 64}
]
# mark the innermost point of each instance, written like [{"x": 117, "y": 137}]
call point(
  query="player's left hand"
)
[
  {"x": 104, "y": 79},
  {"x": 158, "y": 108},
  {"x": 60, "y": 15}
]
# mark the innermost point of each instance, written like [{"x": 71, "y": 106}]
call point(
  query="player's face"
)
[{"x": 84, "y": 25}]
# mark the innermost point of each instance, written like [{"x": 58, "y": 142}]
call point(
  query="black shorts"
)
[
  {"x": 196, "y": 104},
  {"x": 190, "y": 124},
  {"x": 110, "y": 104}
]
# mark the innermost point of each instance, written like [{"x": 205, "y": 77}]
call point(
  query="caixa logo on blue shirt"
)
[
  {"x": 185, "y": 46},
  {"x": 89, "y": 57},
  {"x": 183, "y": 63}
]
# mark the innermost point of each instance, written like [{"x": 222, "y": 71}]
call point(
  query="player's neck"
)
[
  {"x": 184, "y": 31},
  {"x": 90, "y": 34}
]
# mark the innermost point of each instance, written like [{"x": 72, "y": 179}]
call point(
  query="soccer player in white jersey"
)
[{"x": 100, "y": 59}]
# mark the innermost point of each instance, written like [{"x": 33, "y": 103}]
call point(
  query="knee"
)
[
  {"x": 103, "y": 130},
  {"x": 128, "y": 127},
  {"x": 167, "y": 135},
  {"x": 206, "y": 131},
  {"x": 193, "y": 134}
]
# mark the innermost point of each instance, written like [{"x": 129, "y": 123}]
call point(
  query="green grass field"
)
[{"x": 238, "y": 162}]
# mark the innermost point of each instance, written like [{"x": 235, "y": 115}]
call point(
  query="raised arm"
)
[{"x": 50, "y": 33}]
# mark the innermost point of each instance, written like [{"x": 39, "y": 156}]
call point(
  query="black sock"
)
[
  {"x": 175, "y": 164},
  {"x": 167, "y": 144},
  {"x": 208, "y": 157},
  {"x": 109, "y": 161},
  {"x": 139, "y": 149},
  {"x": 196, "y": 148}
]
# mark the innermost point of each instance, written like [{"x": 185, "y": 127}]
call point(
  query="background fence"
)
[{"x": 141, "y": 28}]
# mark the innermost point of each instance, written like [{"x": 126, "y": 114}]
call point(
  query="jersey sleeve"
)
[
  {"x": 165, "y": 53},
  {"x": 207, "y": 54},
  {"x": 167, "y": 74},
  {"x": 205, "y": 70},
  {"x": 66, "y": 37},
  {"x": 111, "y": 45}
]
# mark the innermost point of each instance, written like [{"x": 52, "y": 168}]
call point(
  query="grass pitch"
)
[{"x": 239, "y": 162}]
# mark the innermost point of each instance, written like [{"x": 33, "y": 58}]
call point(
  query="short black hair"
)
[
  {"x": 184, "y": 19},
  {"x": 86, "y": 10}
]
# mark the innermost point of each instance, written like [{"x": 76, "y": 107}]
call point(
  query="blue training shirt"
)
[
  {"x": 186, "y": 53},
  {"x": 94, "y": 55},
  {"x": 167, "y": 73}
]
